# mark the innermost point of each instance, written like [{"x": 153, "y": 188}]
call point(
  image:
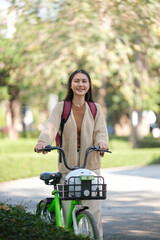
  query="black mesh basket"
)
[{"x": 83, "y": 188}]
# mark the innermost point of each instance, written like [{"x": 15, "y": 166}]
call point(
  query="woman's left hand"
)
[{"x": 103, "y": 146}]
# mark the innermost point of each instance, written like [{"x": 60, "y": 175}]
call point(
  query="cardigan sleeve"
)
[
  {"x": 100, "y": 128},
  {"x": 51, "y": 127}
]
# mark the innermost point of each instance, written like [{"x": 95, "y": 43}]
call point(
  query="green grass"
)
[
  {"x": 124, "y": 155},
  {"x": 18, "y": 159},
  {"x": 130, "y": 157}
]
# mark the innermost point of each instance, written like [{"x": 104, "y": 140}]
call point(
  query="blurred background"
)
[{"x": 117, "y": 42}]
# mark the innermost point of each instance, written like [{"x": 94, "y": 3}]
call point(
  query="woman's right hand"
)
[{"x": 40, "y": 145}]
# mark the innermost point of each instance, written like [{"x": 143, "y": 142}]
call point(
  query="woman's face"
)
[{"x": 80, "y": 84}]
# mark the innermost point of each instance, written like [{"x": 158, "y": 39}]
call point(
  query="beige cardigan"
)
[{"x": 92, "y": 133}]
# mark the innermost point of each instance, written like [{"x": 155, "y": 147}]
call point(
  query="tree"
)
[
  {"x": 116, "y": 41},
  {"x": 139, "y": 39},
  {"x": 116, "y": 55},
  {"x": 24, "y": 66}
]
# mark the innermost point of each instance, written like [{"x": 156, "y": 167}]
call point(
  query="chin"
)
[{"x": 80, "y": 93}]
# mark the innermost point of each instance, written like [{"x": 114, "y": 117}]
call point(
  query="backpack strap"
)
[
  {"x": 93, "y": 109},
  {"x": 65, "y": 115},
  {"x": 67, "y": 106},
  {"x": 66, "y": 111}
]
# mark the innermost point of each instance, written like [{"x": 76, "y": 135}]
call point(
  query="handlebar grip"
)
[
  {"x": 102, "y": 150},
  {"x": 47, "y": 148}
]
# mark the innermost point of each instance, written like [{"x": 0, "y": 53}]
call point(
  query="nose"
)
[{"x": 80, "y": 83}]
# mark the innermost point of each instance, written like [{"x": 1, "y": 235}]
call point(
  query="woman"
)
[{"x": 80, "y": 131}]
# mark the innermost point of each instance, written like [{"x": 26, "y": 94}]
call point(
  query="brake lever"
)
[
  {"x": 46, "y": 149},
  {"x": 103, "y": 150},
  {"x": 108, "y": 150}
]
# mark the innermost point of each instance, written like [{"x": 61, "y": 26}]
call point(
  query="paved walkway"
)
[{"x": 131, "y": 211}]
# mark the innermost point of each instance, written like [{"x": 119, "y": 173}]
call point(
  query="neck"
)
[{"x": 78, "y": 101}]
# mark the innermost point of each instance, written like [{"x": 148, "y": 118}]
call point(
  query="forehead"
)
[{"x": 80, "y": 76}]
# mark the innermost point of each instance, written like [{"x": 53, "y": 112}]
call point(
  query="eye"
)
[
  {"x": 75, "y": 80},
  {"x": 85, "y": 81}
]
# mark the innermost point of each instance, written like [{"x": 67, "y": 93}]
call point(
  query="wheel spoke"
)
[{"x": 86, "y": 225}]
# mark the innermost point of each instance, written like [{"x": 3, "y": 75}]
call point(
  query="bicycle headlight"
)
[{"x": 86, "y": 193}]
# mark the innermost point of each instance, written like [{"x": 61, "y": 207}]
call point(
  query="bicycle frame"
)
[{"x": 55, "y": 205}]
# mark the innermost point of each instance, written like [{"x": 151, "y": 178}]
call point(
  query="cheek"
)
[
  {"x": 88, "y": 86},
  {"x": 72, "y": 85}
]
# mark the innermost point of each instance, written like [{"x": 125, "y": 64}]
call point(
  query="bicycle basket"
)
[{"x": 83, "y": 184}]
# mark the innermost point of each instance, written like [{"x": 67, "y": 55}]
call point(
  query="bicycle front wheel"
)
[{"x": 87, "y": 225}]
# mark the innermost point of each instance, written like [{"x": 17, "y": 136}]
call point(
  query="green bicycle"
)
[{"x": 80, "y": 184}]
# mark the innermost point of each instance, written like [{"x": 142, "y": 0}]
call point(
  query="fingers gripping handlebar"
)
[
  {"x": 49, "y": 148},
  {"x": 91, "y": 149}
]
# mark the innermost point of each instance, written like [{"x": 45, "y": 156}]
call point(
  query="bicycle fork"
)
[{"x": 74, "y": 207}]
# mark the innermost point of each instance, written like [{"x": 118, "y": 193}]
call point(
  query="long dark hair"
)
[{"x": 69, "y": 95}]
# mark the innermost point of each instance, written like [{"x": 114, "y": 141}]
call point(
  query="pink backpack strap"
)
[
  {"x": 93, "y": 109},
  {"x": 66, "y": 110},
  {"x": 67, "y": 106}
]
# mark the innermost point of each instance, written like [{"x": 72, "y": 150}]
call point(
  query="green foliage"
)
[
  {"x": 16, "y": 223},
  {"x": 85, "y": 34},
  {"x": 2, "y": 117},
  {"x": 3, "y": 134},
  {"x": 123, "y": 142},
  {"x": 148, "y": 142},
  {"x": 29, "y": 134},
  {"x": 117, "y": 42},
  {"x": 3, "y": 93}
]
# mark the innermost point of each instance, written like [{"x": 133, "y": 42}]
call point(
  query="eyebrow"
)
[{"x": 80, "y": 79}]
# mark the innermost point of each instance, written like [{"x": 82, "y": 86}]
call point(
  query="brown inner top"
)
[{"x": 78, "y": 113}]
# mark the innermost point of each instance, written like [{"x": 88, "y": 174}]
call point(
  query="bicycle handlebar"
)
[
  {"x": 91, "y": 149},
  {"x": 49, "y": 148}
]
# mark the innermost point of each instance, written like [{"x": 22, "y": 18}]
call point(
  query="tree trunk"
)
[
  {"x": 139, "y": 127},
  {"x": 13, "y": 115},
  {"x": 122, "y": 125},
  {"x": 132, "y": 137},
  {"x": 137, "y": 130}
]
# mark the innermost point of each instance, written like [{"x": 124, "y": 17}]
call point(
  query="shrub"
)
[
  {"x": 148, "y": 142},
  {"x": 29, "y": 134},
  {"x": 16, "y": 223}
]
